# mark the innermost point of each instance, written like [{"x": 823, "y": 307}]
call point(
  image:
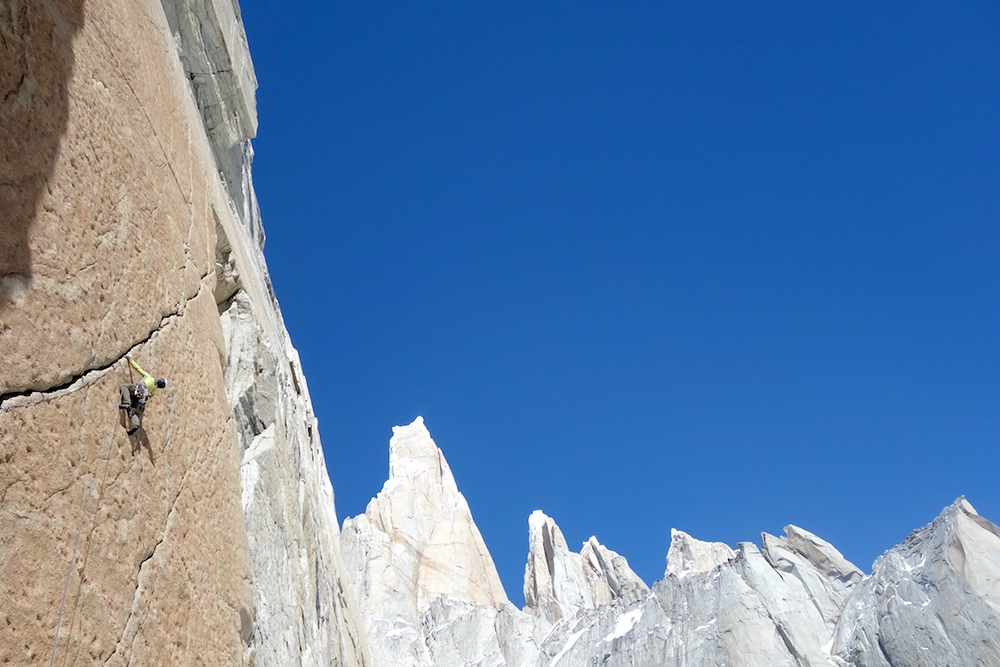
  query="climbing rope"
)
[{"x": 76, "y": 545}]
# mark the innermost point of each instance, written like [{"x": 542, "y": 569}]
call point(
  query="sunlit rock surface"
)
[
  {"x": 932, "y": 600},
  {"x": 559, "y": 583},
  {"x": 690, "y": 556},
  {"x": 418, "y": 561},
  {"x": 794, "y": 600},
  {"x": 130, "y": 227}
]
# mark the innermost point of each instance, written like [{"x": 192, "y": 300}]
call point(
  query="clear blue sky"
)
[{"x": 712, "y": 266}]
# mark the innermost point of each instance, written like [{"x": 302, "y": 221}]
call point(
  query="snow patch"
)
[
  {"x": 624, "y": 625},
  {"x": 706, "y": 626},
  {"x": 906, "y": 567}
]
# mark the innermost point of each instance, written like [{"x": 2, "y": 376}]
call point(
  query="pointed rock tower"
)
[
  {"x": 559, "y": 583},
  {"x": 416, "y": 552}
]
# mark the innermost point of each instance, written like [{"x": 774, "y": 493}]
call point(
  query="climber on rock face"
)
[{"x": 134, "y": 396}]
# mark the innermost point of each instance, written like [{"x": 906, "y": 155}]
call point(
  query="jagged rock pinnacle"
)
[
  {"x": 690, "y": 556},
  {"x": 415, "y": 543},
  {"x": 559, "y": 583}
]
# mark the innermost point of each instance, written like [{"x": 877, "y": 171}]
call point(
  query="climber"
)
[{"x": 134, "y": 396}]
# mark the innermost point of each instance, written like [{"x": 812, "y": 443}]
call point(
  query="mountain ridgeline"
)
[
  {"x": 428, "y": 591},
  {"x": 209, "y": 535}
]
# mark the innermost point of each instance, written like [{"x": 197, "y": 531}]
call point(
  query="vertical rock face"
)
[
  {"x": 210, "y": 535},
  {"x": 36, "y": 49},
  {"x": 304, "y": 612},
  {"x": 213, "y": 51}
]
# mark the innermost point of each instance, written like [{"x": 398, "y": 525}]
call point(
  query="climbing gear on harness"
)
[{"x": 134, "y": 396}]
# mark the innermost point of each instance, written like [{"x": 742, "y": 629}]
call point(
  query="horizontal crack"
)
[
  {"x": 27, "y": 397},
  {"x": 31, "y": 396}
]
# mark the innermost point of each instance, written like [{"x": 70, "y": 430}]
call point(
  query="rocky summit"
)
[
  {"x": 793, "y": 600},
  {"x": 209, "y": 535}
]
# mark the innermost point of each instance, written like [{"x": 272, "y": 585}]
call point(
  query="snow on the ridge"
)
[
  {"x": 624, "y": 625},
  {"x": 706, "y": 626}
]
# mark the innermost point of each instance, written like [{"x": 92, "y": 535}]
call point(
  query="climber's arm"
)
[{"x": 136, "y": 366}]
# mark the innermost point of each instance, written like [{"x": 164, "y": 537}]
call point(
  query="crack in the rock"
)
[
  {"x": 152, "y": 127},
  {"x": 83, "y": 268},
  {"x": 77, "y": 382},
  {"x": 84, "y": 379},
  {"x": 91, "y": 375},
  {"x": 59, "y": 490},
  {"x": 142, "y": 563},
  {"x": 138, "y": 588},
  {"x": 163, "y": 536},
  {"x": 18, "y": 480},
  {"x": 228, "y": 70},
  {"x": 14, "y": 91},
  {"x": 158, "y": 542}
]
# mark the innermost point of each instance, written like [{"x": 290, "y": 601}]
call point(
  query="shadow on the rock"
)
[
  {"x": 139, "y": 440},
  {"x": 36, "y": 49}
]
